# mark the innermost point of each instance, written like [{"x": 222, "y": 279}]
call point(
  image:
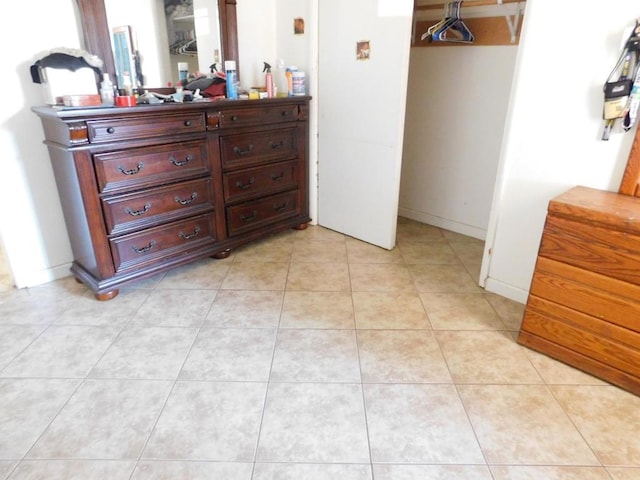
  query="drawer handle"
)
[
  {"x": 276, "y": 146},
  {"x": 132, "y": 171},
  {"x": 144, "y": 249},
  {"x": 234, "y": 118},
  {"x": 249, "y": 218},
  {"x": 111, "y": 130},
  {"x": 179, "y": 163},
  {"x": 135, "y": 213},
  {"x": 238, "y": 151},
  {"x": 186, "y": 201},
  {"x": 188, "y": 123},
  {"x": 286, "y": 113},
  {"x": 281, "y": 208},
  {"x": 244, "y": 186},
  {"x": 277, "y": 177},
  {"x": 189, "y": 236}
]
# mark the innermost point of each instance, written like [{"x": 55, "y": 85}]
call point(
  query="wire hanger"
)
[
  {"x": 451, "y": 28},
  {"x": 433, "y": 28}
]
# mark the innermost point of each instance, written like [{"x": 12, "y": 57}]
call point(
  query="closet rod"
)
[{"x": 468, "y": 3}]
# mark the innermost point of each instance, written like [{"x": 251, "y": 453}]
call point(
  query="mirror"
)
[{"x": 98, "y": 40}]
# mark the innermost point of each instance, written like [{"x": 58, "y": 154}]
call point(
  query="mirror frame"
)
[{"x": 93, "y": 16}]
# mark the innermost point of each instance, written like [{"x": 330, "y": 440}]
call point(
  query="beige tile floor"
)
[{"x": 308, "y": 355}]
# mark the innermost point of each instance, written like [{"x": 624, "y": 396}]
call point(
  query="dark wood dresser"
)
[
  {"x": 147, "y": 188},
  {"x": 584, "y": 302}
]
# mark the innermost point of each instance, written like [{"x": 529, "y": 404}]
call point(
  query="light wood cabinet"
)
[{"x": 584, "y": 302}]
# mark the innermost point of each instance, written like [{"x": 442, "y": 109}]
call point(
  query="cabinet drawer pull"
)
[
  {"x": 144, "y": 249},
  {"x": 188, "y": 123},
  {"x": 135, "y": 213},
  {"x": 189, "y": 236},
  {"x": 277, "y": 177},
  {"x": 286, "y": 113},
  {"x": 131, "y": 171},
  {"x": 244, "y": 186},
  {"x": 234, "y": 118},
  {"x": 278, "y": 145},
  {"x": 111, "y": 130},
  {"x": 238, "y": 151},
  {"x": 179, "y": 163},
  {"x": 186, "y": 201},
  {"x": 249, "y": 218},
  {"x": 281, "y": 208}
]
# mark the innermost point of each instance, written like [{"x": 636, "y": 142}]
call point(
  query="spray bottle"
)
[
  {"x": 232, "y": 87},
  {"x": 268, "y": 79}
]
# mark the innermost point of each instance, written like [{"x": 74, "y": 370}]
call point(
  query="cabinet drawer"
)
[
  {"x": 141, "y": 210},
  {"x": 262, "y": 115},
  {"x": 159, "y": 243},
  {"x": 117, "y": 129},
  {"x": 595, "y": 248},
  {"x": 250, "y": 215},
  {"x": 589, "y": 336},
  {"x": 252, "y": 182},
  {"x": 149, "y": 166},
  {"x": 252, "y": 148},
  {"x": 593, "y": 294}
]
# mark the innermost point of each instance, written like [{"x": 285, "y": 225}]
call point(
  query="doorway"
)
[{"x": 456, "y": 113}]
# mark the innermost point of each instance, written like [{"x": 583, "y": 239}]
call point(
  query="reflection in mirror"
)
[{"x": 160, "y": 38}]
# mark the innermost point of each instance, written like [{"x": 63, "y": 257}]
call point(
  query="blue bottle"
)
[{"x": 232, "y": 82}]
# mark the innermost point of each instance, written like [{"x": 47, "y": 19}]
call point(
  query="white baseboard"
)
[
  {"x": 451, "y": 225},
  {"x": 32, "y": 279},
  {"x": 508, "y": 291}
]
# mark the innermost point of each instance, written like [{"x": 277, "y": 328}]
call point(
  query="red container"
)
[{"x": 125, "y": 101}]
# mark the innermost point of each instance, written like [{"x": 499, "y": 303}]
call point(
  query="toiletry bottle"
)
[
  {"x": 232, "y": 86},
  {"x": 106, "y": 90},
  {"x": 280, "y": 79},
  {"x": 126, "y": 80},
  {"x": 297, "y": 79},
  {"x": 268, "y": 80},
  {"x": 289, "y": 76}
]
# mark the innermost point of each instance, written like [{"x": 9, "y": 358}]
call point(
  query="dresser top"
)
[{"x": 590, "y": 205}]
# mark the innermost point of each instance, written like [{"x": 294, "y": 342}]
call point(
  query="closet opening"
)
[{"x": 457, "y": 102}]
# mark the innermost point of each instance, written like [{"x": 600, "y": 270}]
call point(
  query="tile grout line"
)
[{"x": 268, "y": 387}]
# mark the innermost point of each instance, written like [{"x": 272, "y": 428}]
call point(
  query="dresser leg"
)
[
  {"x": 302, "y": 226},
  {"x": 107, "y": 295},
  {"x": 222, "y": 254}
]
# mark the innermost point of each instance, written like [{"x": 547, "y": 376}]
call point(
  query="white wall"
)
[
  {"x": 552, "y": 141},
  {"x": 31, "y": 223},
  {"x": 456, "y": 109},
  {"x": 302, "y": 51},
  {"x": 256, "y": 39}
]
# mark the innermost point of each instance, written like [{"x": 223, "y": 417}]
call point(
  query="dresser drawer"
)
[
  {"x": 149, "y": 166},
  {"x": 252, "y": 148},
  {"x": 117, "y": 129},
  {"x": 252, "y": 182},
  {"x": 592, "y": 247},
  {"x": 159, "y": 243},
  {"x": 141, "y": 210},
  {"x": 606, "y": 298},
  {"x": 250, "y": 215},
  {"x": 259, "y": 115},
  {"x": 587, "y": 335}
]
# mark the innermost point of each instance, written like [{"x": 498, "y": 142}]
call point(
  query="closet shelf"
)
[
  {"x": 511, "y": 10},
  {"x": 467, "y": 3}
]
